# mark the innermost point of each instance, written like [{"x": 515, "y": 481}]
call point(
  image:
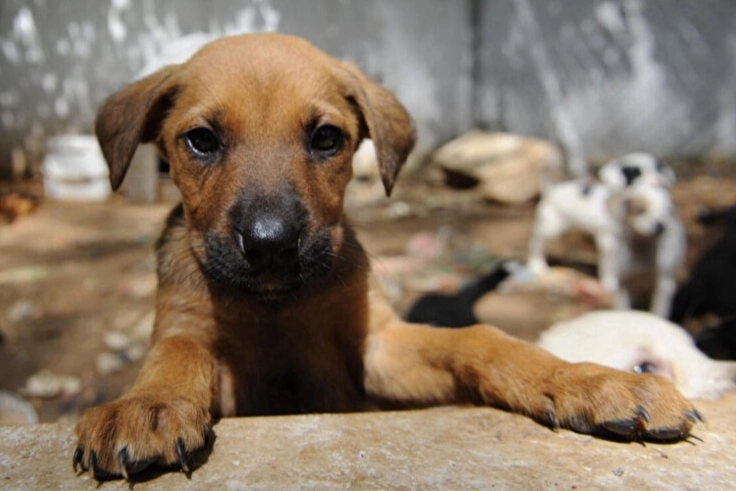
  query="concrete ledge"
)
[{"x": 447, "y": 448}]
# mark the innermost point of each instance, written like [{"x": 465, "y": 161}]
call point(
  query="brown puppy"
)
[{"x": 266, "y": 303}]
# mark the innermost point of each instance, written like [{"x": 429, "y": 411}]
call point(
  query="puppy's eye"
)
[
  {"x": 326, "y": 141},
  {"x": 202, "y": 143},
  {"x": 645, "y": 367}
]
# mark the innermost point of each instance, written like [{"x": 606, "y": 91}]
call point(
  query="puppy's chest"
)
[{"x": 272, "y": 373}]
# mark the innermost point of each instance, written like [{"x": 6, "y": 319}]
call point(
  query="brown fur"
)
[{"x": 333, "y": 343}]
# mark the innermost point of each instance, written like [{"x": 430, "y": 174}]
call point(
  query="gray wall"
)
[
  {"x": 601, "y": 77},
  {"x": 59, "y": 59},
  {"x": 605, "y": 77}
]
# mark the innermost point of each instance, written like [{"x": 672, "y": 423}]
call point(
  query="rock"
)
[
  {"x": 108, "y": 363},
  {"x": 116, "y": 340},
  {"x": 15, "y": 410},
  {"x": 21, "y": 310},
  {"x": 445, "y": 448},
  {"x": 47, "y": 384},
  {"x": 508, "y": 168},
  {"x": 136, "y": 351}
]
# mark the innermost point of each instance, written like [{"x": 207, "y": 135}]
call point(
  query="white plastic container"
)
[{"x": 75, "y": 170}]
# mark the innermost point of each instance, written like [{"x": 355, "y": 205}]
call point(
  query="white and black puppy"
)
[
  {"x": 642, "y": 343},
  {"x": 617, "y": 219},
  {"x": 636, "y": 168}
]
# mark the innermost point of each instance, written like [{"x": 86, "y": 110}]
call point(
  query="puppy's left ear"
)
[
  {"x": 132, "y": 116},
  {"x": 384, "y": 120}
]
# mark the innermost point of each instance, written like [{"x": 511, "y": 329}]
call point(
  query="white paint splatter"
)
[
  {"x": 24, "y": 27},
  {"x": 11, "y": 52},
  {"x": 49, "y": 83},
  {"x": 63, "y": 47},
  {"x": 10, "y": 98},
  {"x": 25, "y": 32},
  {"x": 116, "y": 26},
  {"x": 608, "y": 14},
  {"x": 61, "y": 107}
]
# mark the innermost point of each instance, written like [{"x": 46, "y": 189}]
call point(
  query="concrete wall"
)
[
  {"x": 605, "y": 77},
  {"x": 600, "y": 76},
  {"x": 59, "y": 59}
]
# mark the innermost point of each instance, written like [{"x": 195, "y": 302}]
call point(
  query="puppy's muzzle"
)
[
  {"x": 270, "y": 244},
  {"x": 266, "y": 248}
]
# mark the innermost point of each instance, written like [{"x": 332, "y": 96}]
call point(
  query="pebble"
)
[
  {"x": 20, "y": 310},
  {"x": 16, "y": 410},
  {"x": 116, "y": 340},
  {"x": 108, "y": 363},
  {"x": 46, "y": 384}
]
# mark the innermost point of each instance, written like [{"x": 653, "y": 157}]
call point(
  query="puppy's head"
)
[
  {"x": 647, "y": 209},
  {"x": 259, "y": 131},
  {"x": 643, "y": 343},
  {"x": 636, "y": 168}
]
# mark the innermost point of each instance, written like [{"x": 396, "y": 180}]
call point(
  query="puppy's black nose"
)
[
  {"x": 659, "y": 229},
  {"x": 270, "y": 243}
]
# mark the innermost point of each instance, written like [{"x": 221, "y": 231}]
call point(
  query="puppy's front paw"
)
[
  {"x": 126, "y": 436},
  {"x": 592, "y": 399}
]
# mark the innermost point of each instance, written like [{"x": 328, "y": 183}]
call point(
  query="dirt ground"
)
[{"x": 77, "y": 280}]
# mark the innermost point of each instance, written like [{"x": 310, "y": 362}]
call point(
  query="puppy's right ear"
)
[{"x": 131, "y": 116}]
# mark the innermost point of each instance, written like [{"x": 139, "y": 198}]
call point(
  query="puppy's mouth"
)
[{"x": 268, "y": 274}]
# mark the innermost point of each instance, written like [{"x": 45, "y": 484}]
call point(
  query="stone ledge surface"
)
[{"x": 442, "y": 448}]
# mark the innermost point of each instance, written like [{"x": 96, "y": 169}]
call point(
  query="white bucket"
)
[{"x": 75, "y": 170}]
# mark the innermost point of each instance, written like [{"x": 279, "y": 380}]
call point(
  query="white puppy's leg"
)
[
  {"x": 548, "y": 225},
  {"x": 611, "y": 254},
  {"x": 663, "y": 292}
]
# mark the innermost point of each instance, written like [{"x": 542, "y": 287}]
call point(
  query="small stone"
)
[
  {"x": 46, "y": 384},
  {"x": 135, "y": 352},
  {"x": 20, "y": 310},
  {"x": 108, "y": 363},
  {"x": 16, "y": 410},
  {"x": 508, "y": 168},
  {"x": 116, "y": 340}
]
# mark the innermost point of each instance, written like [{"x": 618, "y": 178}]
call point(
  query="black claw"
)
[
  {"x": 621, "y": 427},
  {"x": 123, "y": 458},
  {"x": 93, "y": 463},
  {"x": 695, "y": 416},
  {"x": 643, "y": 415},
  {"x": 209, "y": 437},
  {"x": 77, "y": 460},
  {"x": 668, "y": 434},
  {"x": 182, "y": 454},
  {"x": 552, "y": 419}
]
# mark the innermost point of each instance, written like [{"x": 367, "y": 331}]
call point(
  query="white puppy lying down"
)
[{"x": 641, "y": 342}]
